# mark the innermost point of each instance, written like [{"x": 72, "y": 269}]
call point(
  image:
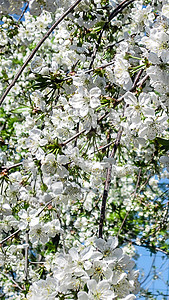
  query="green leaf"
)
[
  {"x": 21, "y": 109},
  {"x": 163, "y": 142}
]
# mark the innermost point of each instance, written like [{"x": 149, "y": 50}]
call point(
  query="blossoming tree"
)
[{"x": 84, "y": 131}]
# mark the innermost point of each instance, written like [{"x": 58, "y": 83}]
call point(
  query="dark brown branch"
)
[
  {"x": 46, "y": 205},
  {"x": 107, "y": 184},
  {"x": 82, "y": 131},
  {"x": 143, "y": 185},
  {"x": 108, "y": 175},
  {"x": 102, "y": 147},
  {"x": 77, "y": 131},
  {"x": 10, "y": 236},
  {"x": 23, "y": 12},
  {"x": 100, "y": 67},
  {"x": 26, "y": 256},
  {"x": 90, "y": 70},
  {"x": 73, "y": 137},
  {"x": 114, "y": 44},
  {"x": 141, "y": 82},
  {"x": 36, "y": 49},
  {"x": 119, "y": 9},
  {"x": 136, "y": 80}
]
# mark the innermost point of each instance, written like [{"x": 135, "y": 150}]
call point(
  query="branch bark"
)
[
  {"x": 23, "y": 12},
  {"x": 26, "y": 256},
  {"x": 107, "y": 184},
  {"x": 10, "y": 236}
]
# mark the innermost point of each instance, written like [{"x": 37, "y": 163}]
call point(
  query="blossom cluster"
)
[
  {"x": 87, "y": 122},
  {"x": 100, "y": 271}
]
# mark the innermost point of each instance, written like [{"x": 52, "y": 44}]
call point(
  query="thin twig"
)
[
  {"x": 161, "y": 250},
  {"x": 100, "y": 67},
  {"x": 62, "y": 234},
  {"x": 144, "y": 183},
  {"x": 10, "y": 236},
  {"x": 90, "y": 70},
  {"x": 107, "y": 184},
  {"x": 136, "y": 80},
  {"x": 141, "y": 82},
  {"x": 114, "y": 44},
  {"x": 46, "y": 205},
  {"x": 36, "y": 49},
  {"x": 119, "y": 8},
  {"x": 102, "y": 147},
  {"x": 149, "y": 271},
  {"x": 82, "y": 131},
  {"x": 11, "y": 167},
  {"x": 37, "y": 262},
  {"x": 73, "y": 137},
  {"x": 137, "y": 84},
  {"x": 11, "y": 279},
  {"x": 77, "y": 131},
  {"x": 26, "y": 256},
  {"x": 147, "y": 246},
  {"x": 23, "y": 12}
]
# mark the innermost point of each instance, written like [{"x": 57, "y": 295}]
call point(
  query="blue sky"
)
[{"x": 156, "y": 271}]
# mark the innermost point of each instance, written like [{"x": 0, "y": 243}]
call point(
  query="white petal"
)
[
  {"x": 92, "y": 285},
  {"x": 74, "y": 254},
  {"x": 82, "y": 296},
  {"x": 148, "y": 112},
  {"x": 130, "y": 99}
]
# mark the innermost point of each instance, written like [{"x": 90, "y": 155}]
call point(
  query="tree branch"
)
[
  {"x": 46, "y": 205},
  {"x": 23, "y": 12},
  {"x": 26, "y": 256},
  {"x": 114, "y": 13},
  {"x": 136, "y": 83},
  {"x": 10, "y": 236},
  {"x": 107, "y": 184},
  {"x": 36, "y": 49},
  {"x": 82, "y": 131},
  {"x": 10, "y": 167},
  {"x": 147, "y": 246},
  {"x": 73, "y": 137},
  {"x": 9, "y": 278}
]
